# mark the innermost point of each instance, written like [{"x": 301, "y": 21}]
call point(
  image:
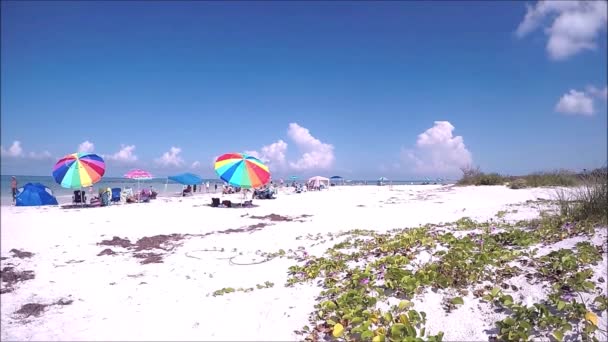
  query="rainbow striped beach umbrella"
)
[
  {"x": 242, "y": 170},
  {"x": 79, "y": 170}
]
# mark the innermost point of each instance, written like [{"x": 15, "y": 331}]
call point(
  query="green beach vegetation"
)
[
  {"x": 563, "y": 178},
  {"x": 371, "y": 280}
]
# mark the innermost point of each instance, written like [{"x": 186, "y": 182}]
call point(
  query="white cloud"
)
[
  {"x": 195, "y": 165},
  {"x": 41, "y": 155},
  {"x": 86, "y": 146},
  {"x": 125, "y": 154},
  {"x": 576, "y": 25},
  {"x": 273, "y": 155},
  {"x": 438, "y": 152},
  {"x": 575, "y": 102},
  {"x": 316, "y": 155},
  {"x": 14, "y": 151},
  {"x": 171, "y": 158},
  {"x": 599, "y": 93}
]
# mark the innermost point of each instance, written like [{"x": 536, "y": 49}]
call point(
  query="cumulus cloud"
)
[
  {"x": 316, "y": 155},
  {"x": 41, "y": 155},
  {"x": 15, "y": 150},
  {"x": 125, "y": 154},
  {"x": 575, "y": 25},
  {"x": 438, "y": 151},
  {"x": 576, "y": 103},
  {"x": 86, "y": 146},
  {"x": 273, "y": 154},
  {"x": 195, "y": 165},
  {"x": 599, "y": 93},
  {"x": 171, "y": 158}
]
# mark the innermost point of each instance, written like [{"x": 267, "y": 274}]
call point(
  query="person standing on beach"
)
[
  {"x": 207, "y": 186},
  {"x": 14, "y": 188},
  {"x": 214, "y": 191}
]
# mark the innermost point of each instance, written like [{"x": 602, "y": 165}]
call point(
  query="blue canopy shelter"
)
[
  {"x": 186, "y": 179},
  {"x": 335, "y": 179},
  {"x": 34, "y": 194}
]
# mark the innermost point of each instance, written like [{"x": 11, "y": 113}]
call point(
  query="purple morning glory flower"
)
[{"x": 364, "y": 281}]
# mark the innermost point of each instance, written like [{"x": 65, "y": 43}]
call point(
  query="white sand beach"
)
[{"x": 119, "y": 297}]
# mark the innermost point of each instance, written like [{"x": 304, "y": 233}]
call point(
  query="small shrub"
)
[
  {"x": 491, "y": 179},
  {"x": 554, "y": 178},
  {"x": 469, "y": 175},
  {"x": 474, "y": 176},
  {"x": 519, "y": 183}
]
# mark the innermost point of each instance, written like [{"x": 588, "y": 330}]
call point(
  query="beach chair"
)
[
  {"x": 79, "y": 197},
  {"x": 116, "y": 195},
  {"x": 126, "y": 193},
  {"x": 215, "y": 202}
]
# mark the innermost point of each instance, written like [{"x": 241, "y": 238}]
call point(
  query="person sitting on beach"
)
[
  {"x": 14, "y": 188},
  {"x": 187, "y": 190}
]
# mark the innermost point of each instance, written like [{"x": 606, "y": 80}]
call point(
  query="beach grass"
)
[
  {"x": 474, "y": 176},
  {"x": 589, "y": 201},
  {"x": 563, "y": 178}
]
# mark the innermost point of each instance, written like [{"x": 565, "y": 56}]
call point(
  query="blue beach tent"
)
[
  {"x": 33, "y": 194},
  {"x": 186, "y": 179}
]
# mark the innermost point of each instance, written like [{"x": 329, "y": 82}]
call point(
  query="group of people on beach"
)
[{"x": 203, "y": 187}]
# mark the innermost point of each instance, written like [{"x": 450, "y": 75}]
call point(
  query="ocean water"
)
[{"x": 160, "y": 185}]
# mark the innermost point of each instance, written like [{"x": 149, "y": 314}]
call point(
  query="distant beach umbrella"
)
[
  {"x": 79, "y": 170},
  {"x": 242, "y": 170},
  {"x": 138, "y": 174},
  {"x": 293, "y": 177},
  {"x": 34, "y": 194},
  {"x": 382, "y": 179}
]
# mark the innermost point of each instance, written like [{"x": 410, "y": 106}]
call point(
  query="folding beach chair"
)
[
  {"x": 79, "y": 197},
  {"x": 115, "y": 195},
  {"x": 215, "y": 202}
]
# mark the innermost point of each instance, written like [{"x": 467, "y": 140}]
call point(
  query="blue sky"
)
[{"x": 361, "y": 89}]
